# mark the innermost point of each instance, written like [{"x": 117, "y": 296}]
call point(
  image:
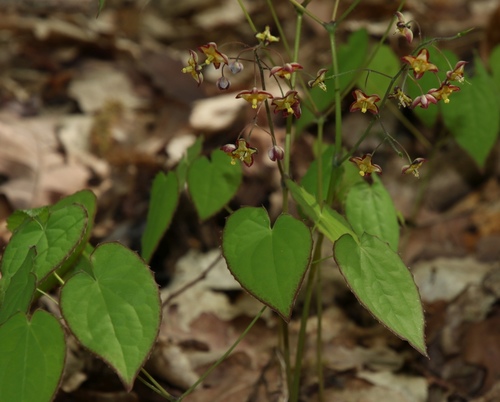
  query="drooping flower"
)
[
  {"x": 223, "y": 83},
  {"x": 443, "y": 91},
  {"x": 403, "y": 99},
  {"x": 403, "y": 27},
  {"x": 213, "y": 55},
  {"x": 319, "y": 80},
  {"x": 193, "y": 67},
  {"x": 457, "y": 74},
  {"x": 423, "y": 101},
  {"x": 364, "y": 102},
  {"x": 420, "y": 64},
  {"x": 254, "y": 96},
  {"x": 235, "y": 67},
  {"x": 413, "y": 167},
  {"x": 265, "y": 37},
  {"x": 365, "y": 165},
  {"x": 286, "y": 70},
  {"x": 276, "y": 153},
  {"x": 242, "y": 151},
  {"x": 288, "y": 104}
]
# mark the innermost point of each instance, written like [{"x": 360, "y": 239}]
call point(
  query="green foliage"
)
[
  {"x": 383, "y": 284},
  {"x": 472, "y": 116},
  {"x": 328, "y": 221},
  {"x": 164, "y": 199},
  {"x": 55, "y": 237},
  {"x": 20, "y": 290},
  {"x": 33, "y": 352},
  {"x": 115, "y": 312},
  {"x": 269, "y": 263},
  {"x": 111, "y": 303},
  {"x": 494, "y": 64},
  {"x": 310, "y": 180},
  {"x": 102, "y": 3},
  {"x": 212, "y": 183},
  {"x": 369, "y": 209},
  {"x": 192, "y": 153}
]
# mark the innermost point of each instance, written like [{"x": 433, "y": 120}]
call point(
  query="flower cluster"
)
[{"x": 288, "y": 104}]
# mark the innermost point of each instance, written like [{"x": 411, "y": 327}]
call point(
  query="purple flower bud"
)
[
  {"x": 276, "y": 153},
  {"x": 223, "y": 83},
  {"x": 235, "y": 67}
]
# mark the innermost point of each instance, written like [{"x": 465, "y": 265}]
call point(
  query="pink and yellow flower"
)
[
  {"x": 242, "y": 151},
  {"x": 413, "y": 167},
  {"x": 403, "y": 27},
  {"x": 193, "y": 67},
  {"x": 286, "y": 70},
  {"x": 420, "y": 64},
  {"x": 289, "y": 104},
  {"x": 213, "y": 55},
  {"x": 364, "y": 102},
  {"x": 457, "y": 74},
  {"x": 443, "y": 92},
  {"x": 319, "y": 80},
  {"x": 365, "y": 165},
  {"x": 254, "y": 96}
]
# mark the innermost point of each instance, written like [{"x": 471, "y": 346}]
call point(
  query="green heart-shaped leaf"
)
[
  {"x": 383, "y": 284},
  {"x": 116, "y": 312},
  {"x": 32, "y": 357},
  {"x": 56, "y": 236},
  {"x": 212, "y": 183},
  {"x": 269, "y": 263},
  {"x": 19, "y": 289},
  {"x": 164, "y": 198}
]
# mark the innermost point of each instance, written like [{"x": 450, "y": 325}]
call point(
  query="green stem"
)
[
  {"x": 320, "y": 129},
  {"x": 289, "y": 121},
  {"x": 319, "y": 337},
  {"x": 247, "y": 16},
  {"x": 224, "y": 356},
  {"x": 155, "y": 386},
  {"x": 285, "y": 347},
  {"x": 47, "y": 295},
  {"x": 338, "y": 107},
  {"x": 279, "y": 27},
  {"x": 353, "y": 5},
  {"x": 294, "y": 394},
  {"x": 304, "y": 10},
  {"x": 59, "y": 279}
]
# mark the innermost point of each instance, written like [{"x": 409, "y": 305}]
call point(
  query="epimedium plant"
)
[{"x": 108, "y": 298}]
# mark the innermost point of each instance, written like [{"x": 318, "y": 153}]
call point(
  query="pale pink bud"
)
[{"x": 276, "y": 153}]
